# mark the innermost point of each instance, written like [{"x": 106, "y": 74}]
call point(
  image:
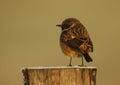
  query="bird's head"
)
[{"x": 68, "y": 23}]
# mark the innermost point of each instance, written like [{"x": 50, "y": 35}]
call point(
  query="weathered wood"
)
[{"x": 60, "y": 75}]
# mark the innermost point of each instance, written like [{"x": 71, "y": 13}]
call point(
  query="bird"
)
[{"x": 75, "y": 40}]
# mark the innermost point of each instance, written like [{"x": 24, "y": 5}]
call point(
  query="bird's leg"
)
[
  {"x": 82, "y": 62},
  {"x": 70, "y": 62}
]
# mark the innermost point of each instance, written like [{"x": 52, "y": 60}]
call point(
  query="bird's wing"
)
[
  {"x": 83, "y": 35},
  {"x": 86, "y": 39},
  {"x": 81, "y": 41},
  {"x": 74, "y": 44}
]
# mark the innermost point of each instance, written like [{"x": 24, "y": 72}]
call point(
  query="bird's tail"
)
[{"x": 87, "y": 57}]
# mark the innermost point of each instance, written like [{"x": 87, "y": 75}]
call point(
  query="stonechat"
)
[{"x": 75, "y": 40}]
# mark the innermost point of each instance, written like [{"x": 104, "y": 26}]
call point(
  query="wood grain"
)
[{"x": 60, "y": 76}]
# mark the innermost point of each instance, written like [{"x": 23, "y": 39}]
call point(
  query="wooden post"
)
[{"x": 74, "y": 75}]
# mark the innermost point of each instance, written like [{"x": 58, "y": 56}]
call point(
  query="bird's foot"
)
[
  {"x": 69, "y": 65},
  {"x": 82, "y": 65}
]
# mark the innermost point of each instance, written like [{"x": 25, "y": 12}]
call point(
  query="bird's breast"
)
[{"x": 67, "y": 50}]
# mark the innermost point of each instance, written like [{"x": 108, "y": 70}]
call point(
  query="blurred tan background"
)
[{"x": 29, "y": 36}]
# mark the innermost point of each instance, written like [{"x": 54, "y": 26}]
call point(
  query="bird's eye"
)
[{"x": 66, "y": 25}]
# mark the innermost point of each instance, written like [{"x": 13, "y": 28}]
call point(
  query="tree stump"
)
[{"x": 74, "y": 75}]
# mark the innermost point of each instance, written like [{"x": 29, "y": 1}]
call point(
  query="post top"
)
[{"x": 60, "y": 67}]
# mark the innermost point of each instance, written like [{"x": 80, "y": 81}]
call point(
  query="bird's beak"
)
[{"x": 59, "y": 25}]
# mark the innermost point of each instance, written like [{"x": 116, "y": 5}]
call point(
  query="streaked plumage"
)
[{"x": 75, "y": 40}]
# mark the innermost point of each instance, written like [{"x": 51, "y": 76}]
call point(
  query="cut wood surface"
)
[{"x": 65, "y": 75}]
